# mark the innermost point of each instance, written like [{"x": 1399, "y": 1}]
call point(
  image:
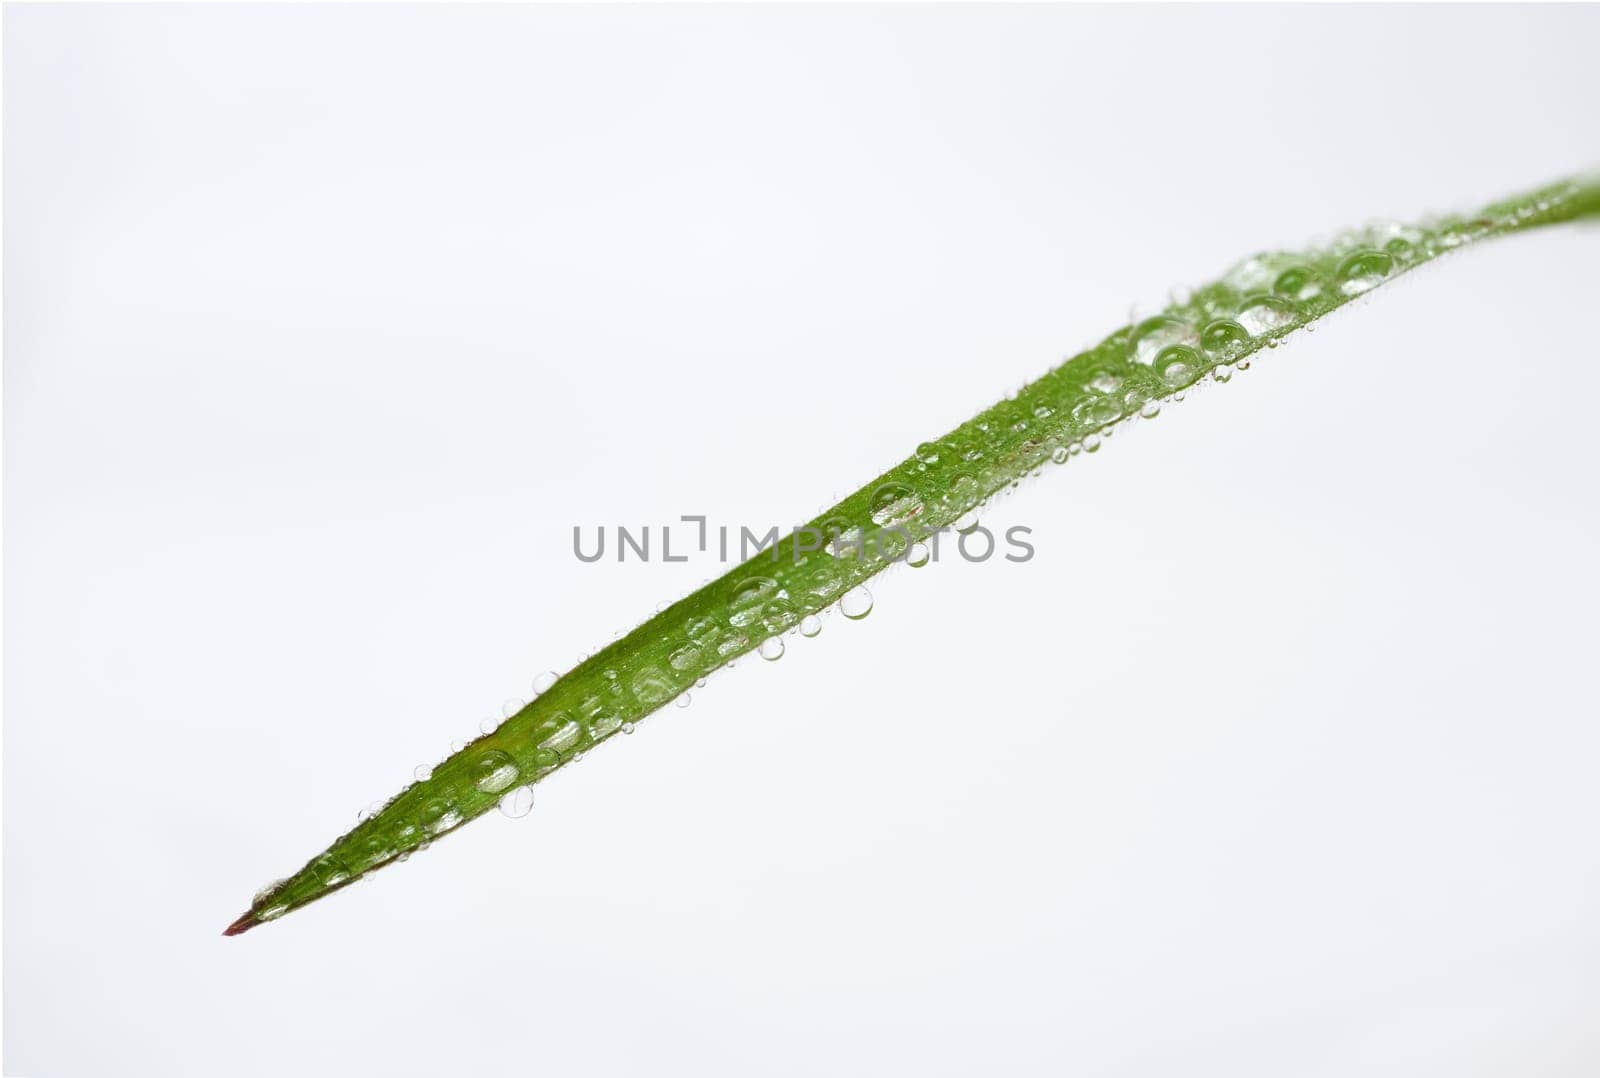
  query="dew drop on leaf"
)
[
  {"x": 561, "y": 732},
  {"x": 439, "y": 815},
  {"x": 856, "y": 603},
  {"x": 602, "y": 724},
  {"x": 517, "y": 802},
  {"x": 895, "y": 503},
  {"x": 650, "y": 686},
  {"x": 1298, "y": 283},
  {"x": 1364, "y": 270},
  {"x": 493, "y": 771},
  {"x": 329, "y": 870},
  {"x": 1264, "y": 314},
  {"x": 1155, "y": 334},
  {"x": 1178, "y": 366},
  {"x": 1223, "y": 335}
]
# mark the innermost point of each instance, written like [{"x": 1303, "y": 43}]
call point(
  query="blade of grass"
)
[{"x": 1067, "y": 411}]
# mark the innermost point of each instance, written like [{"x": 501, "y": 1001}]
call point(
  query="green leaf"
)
[{"x": 1204, "y": 335}]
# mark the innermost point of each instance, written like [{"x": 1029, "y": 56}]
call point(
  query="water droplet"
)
[
  {"x": 747, "y": 594},
  {"x": 966, "y": 522},
  {"x": 845, "y": 540},
  {"x": 456, "y": 746},
  {"x": 1097, "y": 412},
  {"x": 1151, "y": 409},
  {"x": 1178, "y": 366},
  {"x": 423, "y": 772},
  {"x": 810, "y": 625},
  {"x": 771, "y": 649},
  {"x": 1253, "y": 272},
  {"x": 493, "y": 771},
  {"x": 1105, "y": 382},
  {"x": 1363, "y": 270},
  {"x": 778, "y": 615},
  {"x": 329, "y": 870},
  {"x": 1139, "y": 391},
  {"x": 600, "y": 721},
  {"x": 1154, "y": 334},
  {"x": 963, "y": 494},
  {"x": 700, "y": 629},
  {"x": 1265, "y": 314},
  {"x": 439, "y": 816},
  {"x": 856, "y": 603},
  {"x": 683, "y": 700},
  {"x": 517, "y": 803},
  {"x": 755, "y": 590},
  {"x": 918, "y": 555},
  {"x": 927, "y": 453},
  {"x": 560, "y": 732},
  {"x": 732, "y": 645},
  {"x": 650, "y": 686},
  {"x": 1060, "y": 454},
  {"x": 1223, "y": 336},
  {"x": 1091, "y": 444},
  {"x": 371, "y": 810},
  {"x": 1298, "y": 283},
  {"x": 543, "y": 682},
  {"x": 895, "y": 503},
  {"x": 489, "y": 725},
  {"x": 375, "y": 850}
]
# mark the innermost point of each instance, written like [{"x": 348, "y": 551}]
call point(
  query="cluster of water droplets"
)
[{"x": 1204, "y": 334}]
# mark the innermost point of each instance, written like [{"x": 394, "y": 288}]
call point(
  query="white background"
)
[{"x": 325, "y": 325}]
